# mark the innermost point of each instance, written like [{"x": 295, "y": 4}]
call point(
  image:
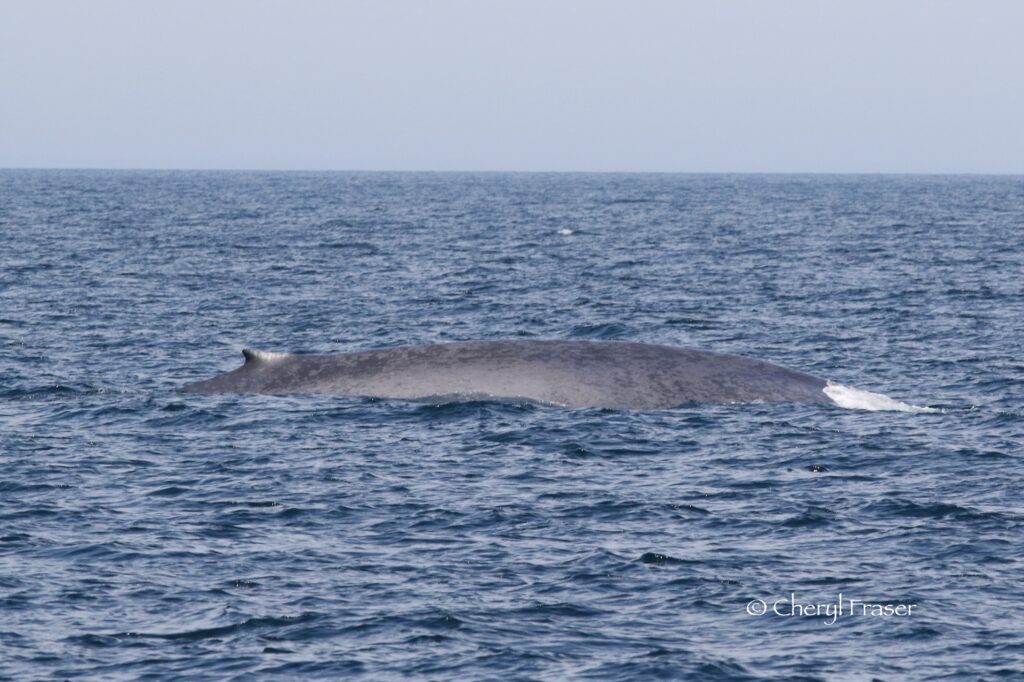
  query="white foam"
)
[
  {"x": 856, "y": 399},
  {"x": 259, "y": 356},
  {"x": 565, "y": 232}
]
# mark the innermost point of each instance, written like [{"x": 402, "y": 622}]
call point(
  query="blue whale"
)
[{"x": 579, "y": 374}]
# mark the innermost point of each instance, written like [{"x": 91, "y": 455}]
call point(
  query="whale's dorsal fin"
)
[{"x": 256, "y": 357}]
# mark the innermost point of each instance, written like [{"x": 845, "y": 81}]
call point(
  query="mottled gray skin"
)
[{"x": 569, "y": 373}]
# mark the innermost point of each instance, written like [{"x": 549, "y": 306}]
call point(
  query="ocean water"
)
[{"x": 148, "y": 534}]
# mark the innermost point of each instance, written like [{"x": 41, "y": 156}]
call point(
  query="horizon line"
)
[{"x": 168, "y": 169}]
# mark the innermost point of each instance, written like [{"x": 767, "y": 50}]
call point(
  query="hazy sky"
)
[{"x": 634, "y": 85}]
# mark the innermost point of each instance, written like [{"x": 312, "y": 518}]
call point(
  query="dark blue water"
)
[{"x": 150, "y": 534}]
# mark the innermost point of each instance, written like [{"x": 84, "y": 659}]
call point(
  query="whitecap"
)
[{"x": 857, "y": 399}]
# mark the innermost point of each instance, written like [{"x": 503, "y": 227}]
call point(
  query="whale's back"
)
[{"x": 570, "y": 373}]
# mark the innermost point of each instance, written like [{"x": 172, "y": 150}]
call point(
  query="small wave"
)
[
  {"x": 263, "y": 623},
  {"x": 600, "y": 331},
  {"x": 362, "y": 248},
  {"x": 857, "y": 399},
  {"x": 624, "y": 200}
]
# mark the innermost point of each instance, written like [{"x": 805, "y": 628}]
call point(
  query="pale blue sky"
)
[{"x": 592, "y": 85}]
